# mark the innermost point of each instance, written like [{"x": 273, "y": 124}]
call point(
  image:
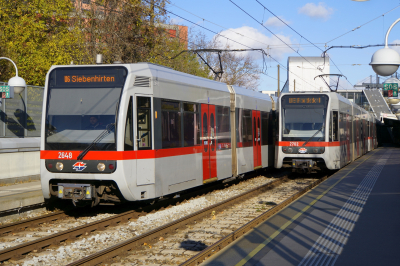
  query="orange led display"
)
[
  {"x": 305, "y": 100},
  {"x": 88, "y": 79}
]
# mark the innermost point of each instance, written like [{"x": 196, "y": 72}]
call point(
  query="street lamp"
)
[
  {"x": 17, "y": 83},
  {"x": 386, "y": 61}
]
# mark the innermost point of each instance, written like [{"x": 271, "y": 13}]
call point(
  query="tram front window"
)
[
  {"x": 304, "y": 117},
  {"x": 78, "y": 112}
]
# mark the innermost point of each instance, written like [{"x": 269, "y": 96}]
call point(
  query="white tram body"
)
[
  {"x": 322, "y": 130},
  {"x": 130, "y": 132}
]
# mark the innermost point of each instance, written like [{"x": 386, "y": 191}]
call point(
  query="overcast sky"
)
[{"x": 317, "y": 21}]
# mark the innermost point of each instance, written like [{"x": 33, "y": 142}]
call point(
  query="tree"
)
[
  {"x": 134, "y": 31},
  {"x": 122, "y": 31},
  {"x": 165, "y": 52},
  {"x": 35, "y": 34},
  {"x": 238, "y": 69}
]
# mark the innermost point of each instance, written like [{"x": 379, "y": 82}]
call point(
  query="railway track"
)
[
  {"x": 45, "y": 241},
  {"x": 191, "y": 239}
]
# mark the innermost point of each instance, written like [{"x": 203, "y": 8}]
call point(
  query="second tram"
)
[{"x": 322, "y": 130}]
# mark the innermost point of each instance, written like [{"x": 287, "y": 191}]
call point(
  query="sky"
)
[{"x": 316, "y": 26}]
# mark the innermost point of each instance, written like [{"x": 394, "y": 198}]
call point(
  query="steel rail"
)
[
  {"x": 16, "y": 252},
  {"x": 219, "y": 245},
  {"x": 19, "y": 251},
  {"x": 153, "y": 235},
  {"x": 22, "y": 225},
  {"x": 21, "y": 210}
]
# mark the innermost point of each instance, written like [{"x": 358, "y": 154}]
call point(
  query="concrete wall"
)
[{"x": 19, "y": 159}]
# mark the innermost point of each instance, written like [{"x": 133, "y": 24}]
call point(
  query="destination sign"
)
[
  {"x": 300, "y": 100},
  {"x": 310, "y": 100},
  {"x": 88, "y": 77},
  {"x": 303, "y": 100},
  {"x": 91, "y": 78}
]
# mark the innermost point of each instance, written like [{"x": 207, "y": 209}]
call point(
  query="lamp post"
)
[
  {"x": 386, "y": 61},
  {"x": 16, "y": 83}
]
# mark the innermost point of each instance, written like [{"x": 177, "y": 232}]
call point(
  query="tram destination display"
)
[
  {"x": 76, "y": 77},
  {"x": 304, "y": 100}
]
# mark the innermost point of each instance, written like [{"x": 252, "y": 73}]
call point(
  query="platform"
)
[
  {"x": 352, "y": 218},
  {"x": 20, "y": 195}
]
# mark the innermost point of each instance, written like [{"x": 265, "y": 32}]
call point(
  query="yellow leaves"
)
[
  {"x": 147, "y": 245},
  {"x": 36, "y": 35}
]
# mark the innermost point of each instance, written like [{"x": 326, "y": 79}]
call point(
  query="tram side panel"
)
[
  {"x": 252, "y": 118},
  {"x": 201, "y": 138}
]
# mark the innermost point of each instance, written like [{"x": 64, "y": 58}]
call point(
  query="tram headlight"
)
[
  {"x": 315, "y": 150},
  {"x": 101, "y": 167},
  {"x": 290, "y": 150},
  {"x": 322, "y": 150},
  {"x": 59, "y": 166}
]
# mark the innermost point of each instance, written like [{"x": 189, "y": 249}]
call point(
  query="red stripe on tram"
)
[
  {"x": 120, "y": 155},
  {"x": 309, "y": 144}
]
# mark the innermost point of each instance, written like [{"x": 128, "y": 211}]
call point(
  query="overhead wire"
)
[
  {"x": 165, "y": 10},
  {"x": 276, "y": 36},
  {"x": 324, "y": 55},
  {"x": 363, "y": 24},
  {"x": 225, "y": 28}
]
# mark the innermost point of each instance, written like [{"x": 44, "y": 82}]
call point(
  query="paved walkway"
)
[{"x": 353, "y": 218}]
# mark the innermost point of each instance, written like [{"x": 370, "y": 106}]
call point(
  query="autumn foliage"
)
[{"x": 37, "y": 34}]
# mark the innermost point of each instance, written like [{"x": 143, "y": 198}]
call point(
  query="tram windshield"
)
[
  {"x": 81, "y": 103},
  {"x": 304, "y": 117}
]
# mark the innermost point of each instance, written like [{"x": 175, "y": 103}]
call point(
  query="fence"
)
[{"x": 22, "y": 116}]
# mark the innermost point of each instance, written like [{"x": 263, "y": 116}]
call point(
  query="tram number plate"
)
[
  {"x": 293, "y": 144},
  {"x": 64, "y": 155}
]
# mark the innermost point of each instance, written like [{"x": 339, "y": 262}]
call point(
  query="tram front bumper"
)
[
  {"x": 304, "y": 165},
  {"x": 75, "y": 191}
]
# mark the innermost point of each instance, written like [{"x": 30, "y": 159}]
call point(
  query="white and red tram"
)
[
  {"x": 322, "y": 130},
  {"x": 130, "y": 132}
]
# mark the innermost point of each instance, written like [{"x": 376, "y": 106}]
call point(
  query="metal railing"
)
[{"x": 22, "y": 116}]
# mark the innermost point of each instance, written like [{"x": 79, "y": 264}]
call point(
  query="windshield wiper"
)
[
  {"x": 313, "y": 135},
  {"x": 103, "y": 134}
]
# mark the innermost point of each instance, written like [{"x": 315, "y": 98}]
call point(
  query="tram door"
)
[
  {"x": 208, "y": 137},
  {"x": 145, "y": 166},
  {"x": 256, "y": 117}
]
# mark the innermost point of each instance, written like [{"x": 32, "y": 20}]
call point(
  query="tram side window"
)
[
  {"x": 246, "y": 128},
  {"x": 264, "y": 128},
  {"x": 128, "y": 129},
  {"x": 191, "y": 124},
  {"x": 143, "y": 122},
  {"x": 223, "y": 128},
  {"x": 335, "y": 128},
  {"x": 171, "y": 124},
  {"x": 342, "y": 127}
]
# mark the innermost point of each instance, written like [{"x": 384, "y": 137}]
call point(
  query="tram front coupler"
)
[
  {"x": 303, "y": 166},
  {"x": 76, "y": 192}
]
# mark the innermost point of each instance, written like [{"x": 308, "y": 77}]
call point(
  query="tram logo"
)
[
  {"x": 302, "y": 150},
  {"x": 79, "y": 166}
]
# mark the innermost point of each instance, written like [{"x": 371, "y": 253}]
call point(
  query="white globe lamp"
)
[
  {"x": 16, "y": 83},
  {"x": 386, "y": 61}
]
